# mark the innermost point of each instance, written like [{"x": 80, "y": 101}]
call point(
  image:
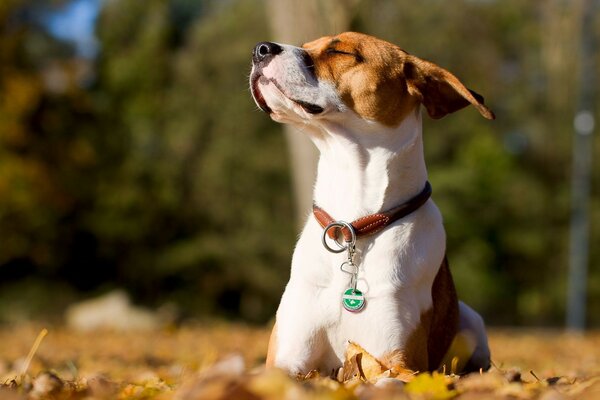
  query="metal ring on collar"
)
[{"x": 341, "y": 247}]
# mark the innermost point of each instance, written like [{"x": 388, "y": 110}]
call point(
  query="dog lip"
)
[
  {"x": 258, "y": 97},
  {"x": 309, "y": 107}
]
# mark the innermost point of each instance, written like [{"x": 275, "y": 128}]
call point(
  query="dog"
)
[{"x": 370, "y": 264}]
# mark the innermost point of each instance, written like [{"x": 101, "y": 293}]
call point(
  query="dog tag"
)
[{"x": 353, "y": 300}]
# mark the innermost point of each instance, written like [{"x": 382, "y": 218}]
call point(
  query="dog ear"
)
[{"x": 440, "y": 92}]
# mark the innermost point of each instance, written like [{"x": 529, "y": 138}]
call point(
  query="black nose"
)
[{"x": 264, "y": 50}]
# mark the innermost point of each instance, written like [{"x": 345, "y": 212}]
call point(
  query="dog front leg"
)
[{"x": 297, "y": 342}]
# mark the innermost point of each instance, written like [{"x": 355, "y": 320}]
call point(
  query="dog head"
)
[{"x": 352, "y": 72}]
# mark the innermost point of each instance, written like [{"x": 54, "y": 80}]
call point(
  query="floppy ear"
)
[{"x": 440, "y": 92}]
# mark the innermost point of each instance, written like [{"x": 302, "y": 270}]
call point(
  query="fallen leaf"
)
[
  {"x": 46, "y": 385},
  {"x": 394, "y": 362},
  {"x": 351, "y": 368},
  {"x": 585, "y": 389},
  {"x": 271, "y": 383},
  {"x": 362, "y": 362},
  {"x": 9, "y": 394},
  {"x": 433, "y": 385},
  {"x": 479, "y": 383},
  {"x": 101, "y": 387}
]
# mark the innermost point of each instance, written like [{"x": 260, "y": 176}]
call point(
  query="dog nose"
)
[{"x": 264, "y": 50}]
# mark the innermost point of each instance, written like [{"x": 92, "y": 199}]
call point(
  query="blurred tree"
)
[
  {"x": 45, "y": 168},
  {"x": 161, "y": 175},
  {"x": 297, "y": 22},
  {"x": 188, "y": 207},
  {"x": 502, "y": 187}
]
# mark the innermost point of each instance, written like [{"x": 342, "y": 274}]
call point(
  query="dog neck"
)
[{"x": 365, "y": 168}]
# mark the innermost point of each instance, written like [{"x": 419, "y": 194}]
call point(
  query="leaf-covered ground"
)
[{"x": 223, "y": 361}]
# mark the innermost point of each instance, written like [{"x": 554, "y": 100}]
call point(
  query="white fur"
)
[
  {"x": 364, "y": 168},
  {"x": 289, "y": 72}
]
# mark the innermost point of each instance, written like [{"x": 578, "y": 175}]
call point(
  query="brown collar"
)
[{"x": 375, "y": 222}]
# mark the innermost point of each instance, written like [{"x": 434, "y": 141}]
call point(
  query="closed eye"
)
[
  {"x": 334, "y": 51},
  {"x": 358, "y": 57}
]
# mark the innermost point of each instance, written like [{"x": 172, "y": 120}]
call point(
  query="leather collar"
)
[{"x": 374, "y": 223}]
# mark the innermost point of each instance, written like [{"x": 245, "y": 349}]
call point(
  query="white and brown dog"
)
[{"x": 388, "y": 288}]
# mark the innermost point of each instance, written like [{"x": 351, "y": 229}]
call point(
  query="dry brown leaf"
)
[
  {"x": 585, "y": 389},
  {"x": 101, "y": 387},
  {"x": 212, "y": 388},
  {"x": 312, "y": 374},
  {"x": 518, "y": 391},
  {"x": 172, "y": 366},
  {"x": 10, "y": 394},
  {"x": 46, "y": 384},
  {"x": 326, "y": 383},
  {"x": 351, "y": 368},
  {"x": 362, "y": 362},
  {"x": 271, "y": 383},
  {"x": 487, "y": 382},
  {"x": 394, "y": 361}
]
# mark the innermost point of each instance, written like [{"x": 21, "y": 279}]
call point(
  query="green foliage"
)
[
  {"x": 44, "y": 168},
  {"x": 188, "y": 206},
  {"x": 148, "y": 180},
  {"x": 502, "y": 187},
  {"x": 163, "y": 177}
]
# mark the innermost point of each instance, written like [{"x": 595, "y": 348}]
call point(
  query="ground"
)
[{"x": 223, "y": 361}]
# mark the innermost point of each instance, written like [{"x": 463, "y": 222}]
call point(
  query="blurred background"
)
[{"x": 133, "y": 158}]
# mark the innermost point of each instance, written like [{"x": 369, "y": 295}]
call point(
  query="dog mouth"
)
[
  {"x": 257, "y": 78},
  {"x": 258, "y": 97},
  {"x": 310, "y": 108}
]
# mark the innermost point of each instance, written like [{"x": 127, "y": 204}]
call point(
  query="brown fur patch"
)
[
  {"x": 444, "y": 316},
  {"x": 429, "y": 342},
  {"x": 367, "y": 73},
  {"x": 440, "y": 92},
  {"x": 383, "y": 83}
]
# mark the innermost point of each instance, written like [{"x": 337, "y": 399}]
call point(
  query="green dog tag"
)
[{"x": 353, "y": 300}]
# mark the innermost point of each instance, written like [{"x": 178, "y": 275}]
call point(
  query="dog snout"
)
[{"x": 265, "y": 50}]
